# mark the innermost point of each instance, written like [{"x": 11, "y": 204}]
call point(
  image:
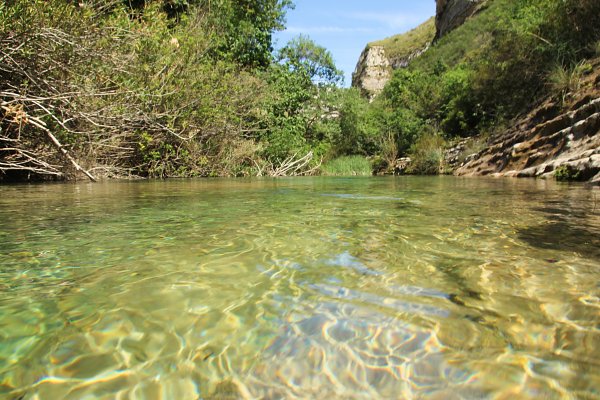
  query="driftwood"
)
[
  {"x": 295, "y": 166},
  {"x": 64, "y": 151}
]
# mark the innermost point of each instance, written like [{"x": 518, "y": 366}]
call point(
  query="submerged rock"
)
[{"x": 230, "y": 390}]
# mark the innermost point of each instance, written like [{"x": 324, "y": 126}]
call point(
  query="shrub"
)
[
  {"x": 427, "y": 154},
  {"x": 359, "y": 132},
  {"x": 568, "y": 173},
  {"x": 564, "y": 80}
]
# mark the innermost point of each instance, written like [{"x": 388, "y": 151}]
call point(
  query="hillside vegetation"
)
[
  {"x": 474, "y": 81},
  {"x": 399, "y": 47},
  {"x": 478, "y": 77},
  {"x": 161, "y": 88},
  {"x": 177, "y": 88}
]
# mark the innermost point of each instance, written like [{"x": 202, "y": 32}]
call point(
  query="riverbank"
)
[{"x": 558, "y": 139}]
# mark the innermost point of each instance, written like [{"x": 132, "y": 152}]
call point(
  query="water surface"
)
[{"x": 362, "y": 288}]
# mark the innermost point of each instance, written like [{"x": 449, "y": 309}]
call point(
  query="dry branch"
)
[
  {"x": 294, "y": 166},
  {"x": 41, "y": 125}
]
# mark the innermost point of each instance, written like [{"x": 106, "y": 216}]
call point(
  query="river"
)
[{"x": 354, "y": 288}]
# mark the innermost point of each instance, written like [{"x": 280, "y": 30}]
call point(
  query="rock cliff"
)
[
  {"x": 450, "y": 14},
  {"x": 379, "y": 59},
  {"x": 552, "y": 140},
  {"x": 372, "y": 71}
]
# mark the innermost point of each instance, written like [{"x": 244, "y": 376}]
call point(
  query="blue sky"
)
[{"x": 344, "y": 27}]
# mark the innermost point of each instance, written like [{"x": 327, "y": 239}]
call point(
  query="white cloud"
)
[
  {"x": 325, "y": 29},
  {"x": 391, "y": 20}
]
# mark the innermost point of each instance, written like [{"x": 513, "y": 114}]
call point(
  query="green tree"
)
[
  {"x": 247, "y": 27},
  {"x": 302, "y": 102},
  {"x": 304, "y": 55},
  {"x": 359, "y": 132}
]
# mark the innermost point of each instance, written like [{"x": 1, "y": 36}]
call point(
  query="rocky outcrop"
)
[
  {"x": 403, "y": 62},
  {"x": 550, "y": 141},
  {"x": 372, "y": 72},
  {"x": 374, "y": 69},
  {"x": 450, "y": 14},
  {"x": 379, "y": 59}
]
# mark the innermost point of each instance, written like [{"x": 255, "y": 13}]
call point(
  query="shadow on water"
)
[
  {"x": 569, "y": 224},
  {"x": 563, "y": 236}
]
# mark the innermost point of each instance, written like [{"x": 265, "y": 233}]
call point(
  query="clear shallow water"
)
[{"x": 365, "y": 288}]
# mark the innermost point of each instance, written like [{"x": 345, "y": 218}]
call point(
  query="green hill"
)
[
  {"x": 493, "y": 67},
  {"x": 402, "y": 46},
  {"x": 501, "y": 63}
]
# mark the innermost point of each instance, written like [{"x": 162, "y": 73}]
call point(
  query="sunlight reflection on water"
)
[{"x": 301, "y": 288}]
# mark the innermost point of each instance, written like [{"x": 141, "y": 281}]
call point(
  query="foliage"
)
[
  {"x": 348, "y": 166},
  {"x": 535, "y": 36},
  {"x": 302, "y": 103},
  {"x": 403, "y": 108},
  {"x": 247, "y": 27},
  {"x": 161, "y": 89},
  {"x": 286, "y": 121},
  {"x": 486, "y": 72},
  {"x": 564, "y": 79},
  {"x": 303, "y": 54},
  {"x": 427, "y": 154},
  {"x": 359, "y": 131},
  {"x": 568, "y": 173}
]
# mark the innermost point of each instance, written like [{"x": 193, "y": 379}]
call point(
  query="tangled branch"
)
[{"x": 295, "y": 166}]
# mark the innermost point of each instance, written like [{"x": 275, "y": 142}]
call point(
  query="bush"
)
[
  {"x": 427, "y": 155},
  {"x": 358, "y": 129},
  {"x": 568, "y": 173},
  {"x": 564, "y": 80}
]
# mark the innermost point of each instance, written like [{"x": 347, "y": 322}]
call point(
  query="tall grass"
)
[
  {"x": 347, "y": 166},
  {"x": 564, "y": 79},
  {"x": 427, "y": 155}
]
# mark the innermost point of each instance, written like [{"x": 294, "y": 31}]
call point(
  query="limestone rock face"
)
[
  {"x": 374, "y": 69},
  {"x": 372, "y": 72},
  {"x": 570, "y": 140},
  {"x": 451, "y": 14}
]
